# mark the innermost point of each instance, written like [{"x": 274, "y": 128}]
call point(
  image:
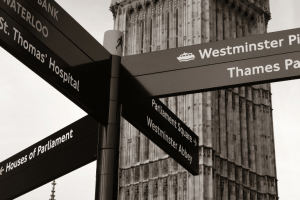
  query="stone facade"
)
[{"x": 234, "y": 125}]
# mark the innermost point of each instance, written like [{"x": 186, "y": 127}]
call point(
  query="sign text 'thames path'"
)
[
  {"x": 255, "y": 59},
  {"x": 166, "y": 130}
]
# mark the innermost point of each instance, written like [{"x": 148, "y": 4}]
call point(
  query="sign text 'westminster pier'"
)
[{"x": 247, "y": 60}]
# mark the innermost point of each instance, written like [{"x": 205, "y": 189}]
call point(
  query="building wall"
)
[{"x": 234, "y": 125}]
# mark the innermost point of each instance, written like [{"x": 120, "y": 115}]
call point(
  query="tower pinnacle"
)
[{"x": 53, "y": 191}]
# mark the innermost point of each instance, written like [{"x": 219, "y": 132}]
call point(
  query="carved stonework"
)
[
  {"x": 176, "y": 3},
  {"x": 233, "y": 101},
  {"x": 221, "y": 166},
  {"x": 136, "y": 192},
  {"x": 137, "y": 174},
  {"x": 245, "y": 173},
  {"x": 245, "y": 193},
  {"x": 165, "y": 166},
  {"x": 229, "y": 190},
  {"x": 252, "y": 195},
  {"x": 208, "y": 170},
  {"x": 169, "y": 5},
  {"x": 165, "y": 185},
  {"x": 159, "y": 9},
  {"x": 155, "y": 188},
  {"x": 127, "y": 193},
  {"x": 237, "y": 191},
  {"x": 175, "y": 165},
  {"x": 259, "y": 197},
  {"x": 145, "y": 23},
  {"x": 175, "y": 181},
  {"x": 146, "y": 191},
  {"x": 184, "y": 182},
  {"x": 222, "y": 185},
  {"x": 252, "y": 180},
  {"x": 155, "y": 169},
  {"x": 114, "y": 9},
  {"x": 146, "y": 171},
  {"x": 237, "y": 174},
  {"x": 128, "y": 176}
]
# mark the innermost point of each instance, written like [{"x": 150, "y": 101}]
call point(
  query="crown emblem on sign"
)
[{"x": 186, "y": 57}]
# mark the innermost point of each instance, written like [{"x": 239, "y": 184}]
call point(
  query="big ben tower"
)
[{"x": 234, "y": 125}]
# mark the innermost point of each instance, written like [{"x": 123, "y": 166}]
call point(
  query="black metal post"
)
[{"x": 109, "y": 136}]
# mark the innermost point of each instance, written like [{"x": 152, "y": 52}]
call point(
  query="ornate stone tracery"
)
[{"x": 211, "y": 114}]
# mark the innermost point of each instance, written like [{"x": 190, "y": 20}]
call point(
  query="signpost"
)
[
  {"x": 62, "y": 152},
  {"x": 75, "y": 82},
  {"x": 50, "y": 42},
  {"x": 166, "y": 130}
]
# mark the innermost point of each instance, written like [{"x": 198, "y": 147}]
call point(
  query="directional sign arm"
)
[
  {"x": 74, "y": 32},
  {"x": 92, "y": 98},
  {"x": 166, "y": 130},
  {"x": 197, "y": 68},
  {"x": 60, "y": 153}
]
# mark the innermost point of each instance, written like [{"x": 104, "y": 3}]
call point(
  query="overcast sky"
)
[{"x": 30, "y": 109}]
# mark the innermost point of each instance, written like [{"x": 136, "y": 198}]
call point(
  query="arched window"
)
[
  {"x": 146, "y": 156},
  {"x": 177, "y": 27},
  {"x": 142, "y": 36},
  {"x": 150, "y": 50},
  {"x": 168, "y": 30},
  {"x": 138, "y": 147}
]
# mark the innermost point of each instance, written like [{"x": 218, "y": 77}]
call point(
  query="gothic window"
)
[
  {"x": 146, "y": 171},
  {"x": 150, "y": 50},
  {"x": 138, "y": 147},
  {"x": 237, "y": 192},
  {"x": 165, "y": 166},
  {"x": 136, "y": 192},
  {"x": 146, "y": 147},
  {"x": 137, "y": 174},
  {"x": 236, "y": 174},
  {"x": 224, "y": 25},
  {"x": 165, "y": 189},
  {"x": 146, "y": 192},
  {"x": 168, "y": 30},
  {"x": 155, "y": 169},
  {"x": 155, "y": 189},
  {"x": 142, "y": 37},
  {"x": 128, "y": 150},
  {"x": 229, "y": 190},
  {"x": 127, "y": 195},
  {"x": 177, "y": 27},
  {"x": 175, "y": 187}
]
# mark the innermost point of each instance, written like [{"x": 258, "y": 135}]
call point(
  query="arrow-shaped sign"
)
[{"x": 1, "y": 170}]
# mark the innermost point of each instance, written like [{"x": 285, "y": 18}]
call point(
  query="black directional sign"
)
[
  {"x": 62, "y": 152},
  {"x": 81, "y": 82},
  {"x": 69, "y": 27},
  {"x": 166, "y": 130},
  {"x": 255, "y": 59}
]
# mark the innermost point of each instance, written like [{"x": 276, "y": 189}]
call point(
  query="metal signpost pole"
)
[{"x": 109, "y": 136}]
